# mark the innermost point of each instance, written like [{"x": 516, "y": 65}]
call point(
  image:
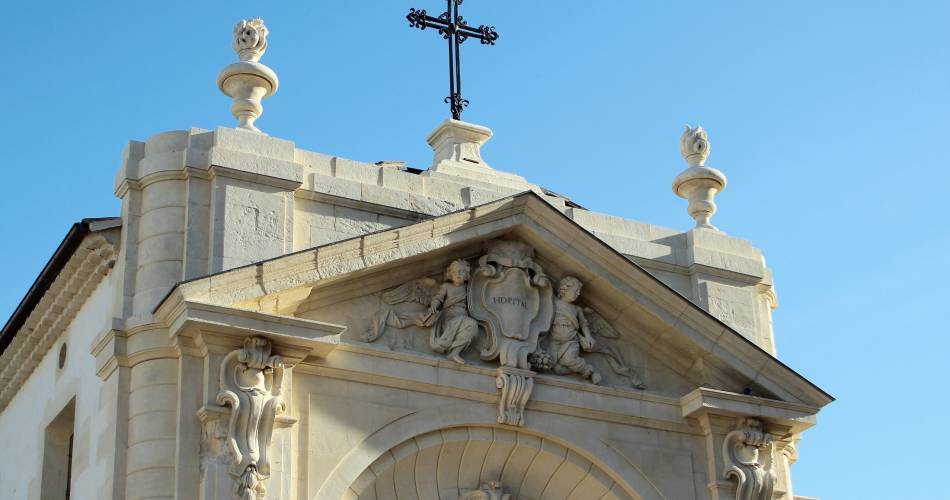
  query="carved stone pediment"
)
[{"x": 508, "y": 307}]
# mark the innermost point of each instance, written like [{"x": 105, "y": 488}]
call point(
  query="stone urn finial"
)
[
  {"x": 698, "y": 183},
  {"x": 248, "y": 81}
]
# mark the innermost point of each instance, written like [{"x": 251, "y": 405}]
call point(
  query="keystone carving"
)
[
  {"x": 514, "y": 386},
  {"x": 251, "y": 385},
  {"x": 747, "y": 453},
  {"x": 491, "y": 490}
]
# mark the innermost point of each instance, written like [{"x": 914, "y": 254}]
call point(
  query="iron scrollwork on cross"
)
[{"x": 452, "y": 27}]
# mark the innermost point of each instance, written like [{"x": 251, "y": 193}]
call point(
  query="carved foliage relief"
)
[
  {"x": 250, "y": 381},
  {"x": 514, "y": 313},
  {"x": 748, "y": 456}
]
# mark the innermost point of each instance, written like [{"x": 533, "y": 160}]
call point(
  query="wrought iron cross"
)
[{"x": 453, "y": 28}]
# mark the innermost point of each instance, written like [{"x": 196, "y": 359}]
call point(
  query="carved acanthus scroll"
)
[
  {"x": 747, "y": 452},
  {"x": 250, "y": 382}
]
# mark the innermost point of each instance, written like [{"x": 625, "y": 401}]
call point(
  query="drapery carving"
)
[
  {"x": 250, "y": 383},
  {"x": 747, "y": 453}
]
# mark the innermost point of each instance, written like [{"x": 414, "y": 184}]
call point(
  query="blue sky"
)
[{"x": 831, "y": 120}]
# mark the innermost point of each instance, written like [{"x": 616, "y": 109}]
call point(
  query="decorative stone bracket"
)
[
  {"x": 246, "y": 357},
  {"x": 251, "y": 380},
  {"x": 515, "y": 386},
  {"x": 743, "y": 435},
  {"x": 748, "y": 456}
]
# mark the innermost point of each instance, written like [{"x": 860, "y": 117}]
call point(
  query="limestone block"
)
[
  {"x": 337, "y": 187},
  {"x": 385, "y": 196},
  {"x": 364, "y": 173},
  {"x": 257, "y": 165},
  {"x": 402, "y": 181},
  {"x": 167, "y": 193},
  {"x": 162, "y": 220},
  {"x": 236, "y": 139},
  {"x": 249, "y": 223},
  {"x": 393, "y": 221},
  {"x": 161, "y": 247},
  {"x": 732, "y": 305},
  {"x": 352, "y": 221},
  {"x": 433, "y": 206},
  {"x": 132, "y": 153},
  {"x": 316, "y": 162},
  {"x": 321, "y": 236}
]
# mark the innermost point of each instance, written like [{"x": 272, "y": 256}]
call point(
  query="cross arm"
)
[
  {"x": 486, "y": 34},
  {"x": 422, "y": 20}
]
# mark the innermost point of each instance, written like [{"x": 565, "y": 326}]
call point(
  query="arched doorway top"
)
[{"x": 445, "y": 452}]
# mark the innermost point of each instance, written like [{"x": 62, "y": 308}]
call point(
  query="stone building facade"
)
[{"x": 267, "y": 322}]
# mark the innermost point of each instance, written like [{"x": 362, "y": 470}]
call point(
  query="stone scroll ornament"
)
[
  {"x": 251, "y": 381},
  {"x": 747, "y": 452}
]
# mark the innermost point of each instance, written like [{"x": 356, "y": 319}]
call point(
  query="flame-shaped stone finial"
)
[
  {"x": 694, "y": 146},
  {"x": 250, "y": 39}
]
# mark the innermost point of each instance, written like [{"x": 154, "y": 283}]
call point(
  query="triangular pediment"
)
[{"x": 669, "y": 342}]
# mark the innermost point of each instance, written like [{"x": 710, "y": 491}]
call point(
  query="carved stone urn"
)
[
  {"x": 698, "y": 183},
  {"x": 248, "y": 81}
]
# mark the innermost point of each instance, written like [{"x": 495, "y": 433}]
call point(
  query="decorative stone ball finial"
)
[
  {"x": 698, "y": 183},
  {"x": 250, "y": 39},
  {"x": 694, "y": 146},
  {"x": 248, "y": 82}
]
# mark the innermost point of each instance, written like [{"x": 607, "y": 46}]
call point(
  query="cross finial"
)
[{"x": 456, "y": 30}]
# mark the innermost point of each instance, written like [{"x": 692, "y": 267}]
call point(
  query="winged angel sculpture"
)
[
  {"x": 444, "y": 309},
  {"x": 452, "y": 328}
]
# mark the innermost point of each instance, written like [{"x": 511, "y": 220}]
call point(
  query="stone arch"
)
[{"x": 446, "y": 446}]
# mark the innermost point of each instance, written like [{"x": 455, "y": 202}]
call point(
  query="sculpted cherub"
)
[
  {"x": 453, "y": 329},
  {"x": 570, "y": 333}
]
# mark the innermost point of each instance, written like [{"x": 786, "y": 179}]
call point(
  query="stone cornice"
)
[
  {"x": 75, "y": 282},
  {"x": 419, "y": 372},
  {"x": 715, "y": 402}
]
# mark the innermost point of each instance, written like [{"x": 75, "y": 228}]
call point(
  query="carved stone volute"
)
[
  {"x": 250, "y": 384},
  {"x": 748, "y": 457}
]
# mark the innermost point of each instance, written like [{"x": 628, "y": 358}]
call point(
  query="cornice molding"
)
[{"x": 89, "y": 264}]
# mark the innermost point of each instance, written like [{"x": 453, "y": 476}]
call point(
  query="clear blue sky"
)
[{"x": 831, "y": 120}]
